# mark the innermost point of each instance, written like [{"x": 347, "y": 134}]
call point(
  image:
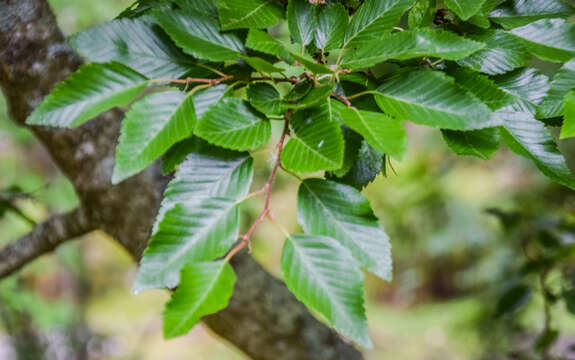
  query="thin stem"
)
[
  {"x": 278, "y": 225},
  {"x": 267, "y": 189},
  {"x": 367, "y": 92}
]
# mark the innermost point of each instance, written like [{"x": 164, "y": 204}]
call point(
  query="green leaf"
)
[
  {"x": 187, "y": 234},
  {"x": 528, "y": 137},
  {"x": 563, "y": 82},
  {"x": 150, "y": 128},
  {"x": 204, "y": 7},
  {"x": 319, "y": 142},
  {"x": 233, "y": 124},
  {"x": 503, "y": 52},
  {"x": 481, "y": 18},
  {"x": 568, "y": 128},
  {"x": 265, "y": 98},
  {"x": 512, "y": 300},
  {"x": 344, "y": 214},
  {"x": 302, "y": 21},
  {"x": 375, "y": 18},
  {"x": 316, "y": 96},
  {"x": 381, "y": 131},
  {"x": 91, "y": 90},
  {"x": 260, "y": 65},
  {"x": 136, "y": 43},
  {"x": 368, "y": 163},
  {"x": 205, "y": 99},
  {"x": 324, "y": 276},
  {"x": 238, "y": 14},
  {"x": 411, "y": 44},
  {"x": 264, "y": 42},
  {"x": 332, "y": 21},
  {"x": 205, "y": 288},
  {"x": 479, "y": 143},
  {"x": 484, "y": 88},
  {"x": 464, "y": 8},
  {"x": 431, "y": 98},
  {"x": 529, "y": 87},
  {"x": 421, "y": 14},
  {"x": 352, "y": 143},
  {"x": 200, "y": 36},
  {"x": 549, "y": 39},
  {"x": 514, "y": 13},
  {"x": 207, "y": 172}
]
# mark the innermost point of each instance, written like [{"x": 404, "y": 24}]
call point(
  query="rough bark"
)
[{"x": 263, "y": 318}]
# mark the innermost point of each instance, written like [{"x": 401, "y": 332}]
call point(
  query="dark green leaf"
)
[
  {"x": 368, "y": 163},
  {"x": 200, "y": 36},
  {"x": 261, "y": 65},
  {"x": 549, "y": 39},
  {"x": 421, "y": 14},
  {"x": 332, "y": 21},
  {"x": 324, "y": 276},
  {"x": 518, "y": 13},
  {"x": 503, "y": 52},
  {"x": 512, "y": 300},
  {"x": 344, "y": 214},
  {"x": 238, "y": 14},
  {"x": 93, "y": 89},
  {"x": 316, "y": 96},
  {"x": 265, "y": 98},
  {"x": 464, "y": 8},
  {"x": 563, "y": 82},
  {"x": 302, "y": 21},
  {"x": 264, "y": 42},
  {"x": 479, "y": 143},
  {"x": 136, "y": 43},
  {"x": 375, "y": 18},
  {"x": 484, "y": 88},
  {"x": 205, "y": 7},
  {"x": 431, "y": 98},
  {"x": 411, "y": 44}
]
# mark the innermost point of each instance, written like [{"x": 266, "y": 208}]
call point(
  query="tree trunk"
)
[{"x": 263, "y": 318}]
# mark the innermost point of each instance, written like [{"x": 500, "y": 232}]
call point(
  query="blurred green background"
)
[{"x": 456, "y": 268}]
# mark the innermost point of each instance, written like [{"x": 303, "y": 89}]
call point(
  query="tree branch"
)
[{"x": 44, "y": 238}]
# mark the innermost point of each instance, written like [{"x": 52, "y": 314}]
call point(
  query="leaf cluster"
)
[{"x": 208, "y": 81}]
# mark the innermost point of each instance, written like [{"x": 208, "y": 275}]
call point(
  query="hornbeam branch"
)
[{"x": 43, "y": 239}]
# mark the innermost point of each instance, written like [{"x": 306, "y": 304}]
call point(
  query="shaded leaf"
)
[
  {"x": 512, "y": 300},
  {"x": 411, "y": 44},
  {"x": 136, "y": 43},
  {"x": 264, "y": 42},
  {"x": 91, "y": 90},
  {"x": 367, "y": 165},
  {"x": 421, "y": 14},
  {"x": 464, "y": 8},
  {"x": 341, "y": 212},
  {"x": 479, "y": 143},
  {"x": 324, "y": 276},
  {"x": 200, "y": 36},
  {"x": 503, "y": 52}
]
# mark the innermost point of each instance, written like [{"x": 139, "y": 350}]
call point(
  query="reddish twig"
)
[
  {"x": 267, "y": 189},
  {"x": 342, "y": 98}
]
